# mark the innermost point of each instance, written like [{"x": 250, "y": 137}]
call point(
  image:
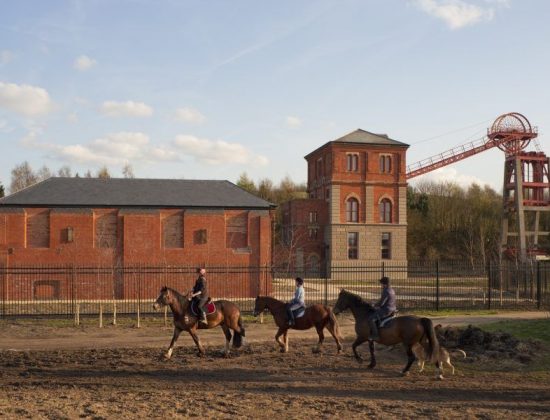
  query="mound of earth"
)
[{"x": 478, "y": 344}]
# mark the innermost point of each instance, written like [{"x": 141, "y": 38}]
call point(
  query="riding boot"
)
[
  {"x": 202, "y": 316},
  {"x": 290, "y": 316},
  {"x": 373, "y": 328}
]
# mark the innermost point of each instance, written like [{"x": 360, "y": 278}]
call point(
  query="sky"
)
[{"x": 212, "y": 89}]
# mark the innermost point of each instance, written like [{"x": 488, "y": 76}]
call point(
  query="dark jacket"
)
[{"x": 200, "y": 286}]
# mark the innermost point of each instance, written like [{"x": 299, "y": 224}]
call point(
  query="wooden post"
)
[
  {"x": 138, "y": 317},
  {"x": 77, "y": 314},
  {"x": 261, "y": 317},
  {"x": 101, "y": 315},
  {"x": 114, "y": 313}
]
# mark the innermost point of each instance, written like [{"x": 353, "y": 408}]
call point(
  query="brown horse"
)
[
  {"x": 318, "y": 316},
  {"x": 227, "y": 316},
  {"x": 408, "y": 330}
]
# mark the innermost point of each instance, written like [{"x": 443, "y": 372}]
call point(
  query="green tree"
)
[
  {"x": 103, "y": 172},
  {"x": 246, "y": 183}
]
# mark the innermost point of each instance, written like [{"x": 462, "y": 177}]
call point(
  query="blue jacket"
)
[
  {"x": 387, "y": 303},
  {"x": 299, "y": 297}
]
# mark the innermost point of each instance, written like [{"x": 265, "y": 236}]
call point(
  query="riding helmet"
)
[{"x": 385, "y": 280}]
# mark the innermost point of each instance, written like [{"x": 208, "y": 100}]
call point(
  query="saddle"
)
[
  {"x": 384, "y": 321},
  {"x": 209, "y": 308},
  {"x": 298, "y": 313}
]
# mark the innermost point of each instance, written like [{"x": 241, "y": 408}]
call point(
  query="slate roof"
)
[
  {"x": 360, "y": 136},
  {"x": 134, "y": 192}
]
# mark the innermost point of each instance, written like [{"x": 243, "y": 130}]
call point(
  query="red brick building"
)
[
  {"x": 125, "y": 222},
  {"x": 357, "y": 210}
]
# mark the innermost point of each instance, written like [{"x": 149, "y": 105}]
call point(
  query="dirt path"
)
[{"x": 66, "y": 373}]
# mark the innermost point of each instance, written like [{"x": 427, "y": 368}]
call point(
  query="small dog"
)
[{"x": 444, "y": 356}]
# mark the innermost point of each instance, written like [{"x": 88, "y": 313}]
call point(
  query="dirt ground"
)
[{"x": 118, "y": 372}]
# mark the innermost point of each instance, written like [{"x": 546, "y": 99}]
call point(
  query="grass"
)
[
  {"x": 455, "y": 312},
  {"x": 538, "y": 329}
]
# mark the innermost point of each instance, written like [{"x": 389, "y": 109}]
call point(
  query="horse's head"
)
[
  {"x": 165, "y": 298},
  {"x": 342, "y": 303},
  {"x": 259, "y": 305}
]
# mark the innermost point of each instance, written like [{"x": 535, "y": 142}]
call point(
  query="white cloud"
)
[
  {"x": 25, "y": 99},
  {"x": 84, "y": 63},
  {"x": 72, "y": 117},
  {"x": 458, "y": 13},
  {"x": 5, "y": 57},
  {"x": 215, "y": 152},
  {"x": 126, "y": 109},
  {"x": 449, "y": 174},
  {"x": 189, "y": 115},
  {"x": 293, "y": 122},
  {"x": 112, "y": 149}
]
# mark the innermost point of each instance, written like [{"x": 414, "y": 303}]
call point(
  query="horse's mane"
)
[
  {"x": 357, "y": 300},
  {"x": 269, "y": 298},
  {"x": 181, "y": 298}
]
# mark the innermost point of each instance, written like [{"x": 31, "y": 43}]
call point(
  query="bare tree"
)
[
  {"x": 65, "y": 171},
  {"x": 128, "y": 171},
  {"x": 43, "y": 173},
  {"x": 22, "y": 176}
]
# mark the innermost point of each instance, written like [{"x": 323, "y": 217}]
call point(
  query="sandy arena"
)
[{"x": 119, "y": 372}]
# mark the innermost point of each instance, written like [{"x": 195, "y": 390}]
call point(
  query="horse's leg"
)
[
  {"x": 280, "y": 332},
  {"x": 177, "y": 333},
  {"x": 438, "y": 370},
  {"x": 330, "y": 329},
  {"x": 410, "y": 359},
  {"x": 358, "y": 341},
  {"x": 321, "y": 335},
  {"x": 421, "y": 365},
  {"x": 227, "y": 333},
  {"x": 193, "y": 334},
  {"x": 372, "y": 363},
  {"x": 285, "y": 336}
]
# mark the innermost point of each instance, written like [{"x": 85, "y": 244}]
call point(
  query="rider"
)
[
  {"x": 200, "y": 294},
  {"x": 385, "y": 306},
  {"x": 299, "y": 300}
]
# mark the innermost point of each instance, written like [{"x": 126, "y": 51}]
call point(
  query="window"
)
[
  {"x": 312, "y": 217},
  {"x": 352, "y": 210},
  {"x": 386, "y": 245},
  {"x": 313, "y": 233},
  {"x": 353, "y": 241},
  {"x": 385, "y": 211},
  {"x": 106, "y": 226},
  {"x": 385, "y": 164},
  {"x": 38, "y": 230},
  {"x": 352, "y": 162},
  {"x": 237, "y": 230},
  {"x": 200, "y": 237},
  {"x": 319, "y": 168},
  {"x": 172, "y": 230}
]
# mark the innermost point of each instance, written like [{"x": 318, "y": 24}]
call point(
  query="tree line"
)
[{"x": 23, "y": 175}]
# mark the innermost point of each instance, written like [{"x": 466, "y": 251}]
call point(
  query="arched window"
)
[
  {"x": 352, "y": 210},
  {"x": 385, "y": 211}
]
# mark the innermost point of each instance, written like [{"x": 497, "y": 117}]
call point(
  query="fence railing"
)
[{"x": 433, "y": 285}]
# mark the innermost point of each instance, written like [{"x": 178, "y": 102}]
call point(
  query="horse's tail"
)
[
  {"x": 334, "y": 323},
  {"x": 429, "y": 331},
  {"x": 238, "y": 335}
]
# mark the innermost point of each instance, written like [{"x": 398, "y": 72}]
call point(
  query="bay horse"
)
[
  {"x": 408, "y": 330},
  {"x": 227, "y": 316},
  {"x": 317, "y": 315}
]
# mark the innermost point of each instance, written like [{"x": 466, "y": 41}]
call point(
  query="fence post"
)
[
  {"x": 383, "y": 269},
  {"x": 437, "y": 285},
  {"x": 101, "y": 315},
  {"x": 538, "y": 286},
  {"x": 138, "y": 300},
  {"x": 114, "y": 312},
  {"x": 325, "y": 281},
  {"x": 489, "y": 285}
]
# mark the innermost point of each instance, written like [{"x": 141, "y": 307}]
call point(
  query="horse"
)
[
  {"x": 408, "y": 330},
  {"x": 318, "y": 316},
  {"x": 227, "y": 315}
]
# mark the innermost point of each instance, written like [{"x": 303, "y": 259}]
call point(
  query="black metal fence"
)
[{"x": 434, "y": 285}]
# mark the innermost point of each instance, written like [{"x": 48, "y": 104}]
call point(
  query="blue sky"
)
[{"x": 211, "y": 89}]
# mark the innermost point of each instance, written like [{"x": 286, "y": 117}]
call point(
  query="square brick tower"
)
[{"x": 356, "y": 213}]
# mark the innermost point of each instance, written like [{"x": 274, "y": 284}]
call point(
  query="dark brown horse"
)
[
  {"x": 408, "y": 330},
  {"x": 227, "y": 316},
  {"x": 318, "y": 316}
]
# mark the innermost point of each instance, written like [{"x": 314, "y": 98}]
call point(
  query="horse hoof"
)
[
  {"x": 315, "y": 350},
  {"x": 405, "y": 373},
  {"x": 167, "y": 356},
  {"x": 359, "y": 360},
  {"x": 371, "y": 366},
  {"x": 440, "y": 377}
]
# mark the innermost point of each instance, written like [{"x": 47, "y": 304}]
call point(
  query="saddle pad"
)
[
  {"x": 210, "y": 308},
  {"x": 298, "y": 313}
]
